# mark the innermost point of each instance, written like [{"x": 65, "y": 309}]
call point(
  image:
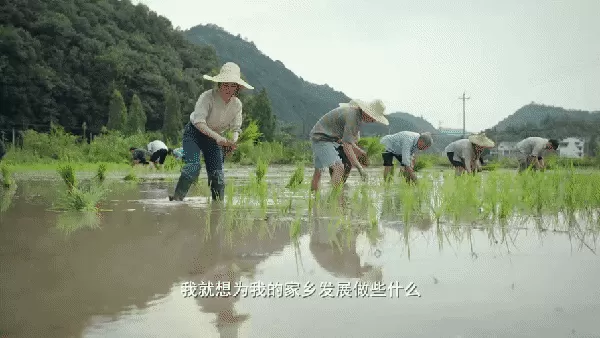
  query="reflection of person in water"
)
[
  {"x": 222, "y": 263},
  {"x": 342, "y": 261}
]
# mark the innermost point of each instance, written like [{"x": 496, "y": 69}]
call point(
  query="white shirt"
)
[
  {"x": 463, "y": 150},
  {"x": 156, "y": 145},
  {"x": 532, "y": 146},
  {"x": 215, "y": 116}
]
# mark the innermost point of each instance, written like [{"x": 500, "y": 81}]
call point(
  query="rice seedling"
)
[
  {"x": 101, "y": 173},
  {"x": 261, "y": 170},
  {"x": 7, "y": 176},
  {"x": 297, "y": 176},
  {"x": 67, "y": 173},
  {"x": 79, "y": 195},
  {"x": 131, "y": 176}
]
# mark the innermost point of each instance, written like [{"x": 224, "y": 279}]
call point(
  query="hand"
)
[{"x": 224, "y": 142}]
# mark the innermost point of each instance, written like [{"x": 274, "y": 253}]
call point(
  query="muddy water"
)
[{"x": 124, "y": 278}]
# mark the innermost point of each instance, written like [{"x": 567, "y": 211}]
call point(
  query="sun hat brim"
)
[
  {"x": 365, "y": 107},
  {"x": 481, "y": 140},
  {"x": 220, "y": 78}
]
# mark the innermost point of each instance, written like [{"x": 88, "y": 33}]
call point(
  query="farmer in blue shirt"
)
[{"x": 403, "y": 146}]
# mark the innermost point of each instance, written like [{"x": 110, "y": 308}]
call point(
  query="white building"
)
[
  {"x": 571, "y": 147},
  {"x": 505, "y": 149}
]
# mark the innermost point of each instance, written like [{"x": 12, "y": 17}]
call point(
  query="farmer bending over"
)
[
  {"x": 216, "y": 110},
  {"x": 158, "y": 151},
  {"x": 530, "y": 152},
  {"x": 138, "y": 156},
  {"x": 343, "y": 124},
  {"x": 403, "y": 146},
  {"x": 464, "y": 154}
]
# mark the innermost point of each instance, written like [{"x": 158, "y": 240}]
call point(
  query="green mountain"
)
[
  {"x": 546, "y": 121},
  {"x": 536, "y": 115},
  {"x": 61, "y": 59},
  {"x": 550, "y": 122},
  {"x": 293, "y": 99}
]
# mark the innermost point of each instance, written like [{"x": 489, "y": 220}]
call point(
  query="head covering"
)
[
  {"x": 481, "y": 140},
  {"x": 375, "y": 109},
  {"x": 230, "y": 72}
]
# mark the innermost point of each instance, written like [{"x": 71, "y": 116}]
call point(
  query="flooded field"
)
[{"x": 361, "y": 265}]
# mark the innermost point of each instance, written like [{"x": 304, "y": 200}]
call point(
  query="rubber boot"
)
[
  {"x": 182, "y": 188},
  {"x": 216, "y": 181}
]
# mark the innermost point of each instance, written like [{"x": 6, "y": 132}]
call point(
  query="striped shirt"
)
[
  {"x": 403, "y": 143},
  {"x": 463, "y": 152},
  {"x": 341, "y": 123},
  {"x": 532, "y": 146},
  {"x": 215, "y": 116}
]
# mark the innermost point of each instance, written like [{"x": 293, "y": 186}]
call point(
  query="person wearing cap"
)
[
  {"x": 341, "y": 125},
  {"x": 464, "y": 154},
  {"x": 403, "y": 146},
  {"x": 216, "y": 111},
  {"x": 530, "y": 152},
  {"x": 138, "y": 156},
  {"x": 158, "y": 151}
]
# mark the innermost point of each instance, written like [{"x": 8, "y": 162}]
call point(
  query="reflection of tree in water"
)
[{"x": 224, "y": 257}]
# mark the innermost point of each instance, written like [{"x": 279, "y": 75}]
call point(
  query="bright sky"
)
[{"x": 419, "y": 56}]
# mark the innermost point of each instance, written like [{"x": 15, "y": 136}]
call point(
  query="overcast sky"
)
[{"x": 419, "y": 56}]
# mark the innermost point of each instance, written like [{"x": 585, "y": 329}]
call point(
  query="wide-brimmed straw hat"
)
[
  {"x": 375, "y": 109},
  {"x": 230, "y": 72},
  {"x": 481, "y": 140}
]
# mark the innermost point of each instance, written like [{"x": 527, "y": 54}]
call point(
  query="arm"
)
[
  {"x": 349, "y": 142},
  {"x": 236, "y": 125},
  {"x": 408, "y": 162},
  {"x": 468, "y": 156},
  {"x": 198, "y": 117}
]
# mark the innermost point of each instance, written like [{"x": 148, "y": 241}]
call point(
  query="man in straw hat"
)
[
  {"x": 531, "y": 150},
  {"x": 403, "y": 146},
  {"x": 464, "y": 154},
  {"x": 216, "y": 110},
  {"x": 341, "y": 125}
]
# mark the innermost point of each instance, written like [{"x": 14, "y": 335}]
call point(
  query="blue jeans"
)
[{"x": 194, "y": 143}]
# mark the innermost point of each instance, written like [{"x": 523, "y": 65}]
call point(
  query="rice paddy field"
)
[{"x": 103, "y": 253}]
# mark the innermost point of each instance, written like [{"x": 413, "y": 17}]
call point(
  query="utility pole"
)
[{"x": 463, "y": 98}]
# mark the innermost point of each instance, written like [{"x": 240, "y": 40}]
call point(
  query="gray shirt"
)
[
  {"x": 532, "y": 146},
  {"x": 463, "y": 151}
]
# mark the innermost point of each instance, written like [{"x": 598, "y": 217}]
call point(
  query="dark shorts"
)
[
  {"x": 455, "y": 163},
  {"x": 159, "y": 155},
  {"x": 388, "y": 159},
  {"x": 139, "y": 156}
]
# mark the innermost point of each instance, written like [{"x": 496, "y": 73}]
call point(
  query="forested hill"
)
[
  {"x": 61, "y": 59},
  {"x": 547, "y": 121},
  {"x": 535, "y": 115},
  {"x": 293, "y": 99}
]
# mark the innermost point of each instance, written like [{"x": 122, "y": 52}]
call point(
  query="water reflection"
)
[
  {"x": 334, "y": 248},
  {"x": 132, "y": 267}
]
